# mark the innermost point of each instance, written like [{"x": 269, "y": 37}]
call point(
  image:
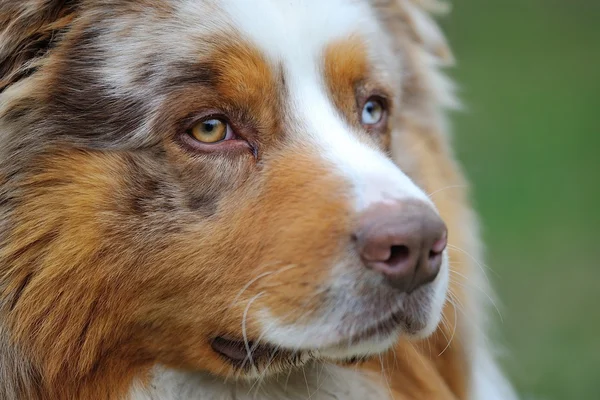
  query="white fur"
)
[
  {"x": 488, "y": 382},
  {"x": 315, "y": 382},
  {"x": 432, "y": 38},
  {"x": 374, "y": 177},
  {"x": 321, "y": 336},
  {"x": 295, "y": 35}
]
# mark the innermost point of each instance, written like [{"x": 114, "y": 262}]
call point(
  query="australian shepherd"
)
[{"x": 234, "y": 199}]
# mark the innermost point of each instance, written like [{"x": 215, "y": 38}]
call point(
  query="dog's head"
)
[{"x": 209, "y": 184}]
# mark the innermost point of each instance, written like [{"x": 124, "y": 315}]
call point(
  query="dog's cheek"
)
[
  {"x": 95, "y": 253},
  {"x": 300, "y": 224},
  {"x": 148, "y": 275},
  {"x": 270, "y": 248},
  {"x": 68, "y": 271}
]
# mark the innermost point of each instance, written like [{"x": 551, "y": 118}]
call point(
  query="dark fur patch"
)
[
  {"x": 31, "y": 31},
  {"x": 201, "y": 73},
  {"x": 205, "y": 205},
  {"x": 86, "y": 110}
]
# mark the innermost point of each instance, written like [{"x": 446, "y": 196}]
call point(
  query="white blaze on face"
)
[
  {"x": 374, "y": 177},
  {"x": 294, "y": 35}
]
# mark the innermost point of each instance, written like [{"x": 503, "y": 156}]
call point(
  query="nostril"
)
[
  {"x": 438, "y": 247},
  {"x": 398, "y": 255},
  {"x": 434, "y": 256},
  {"x": 440, "y": 244}
]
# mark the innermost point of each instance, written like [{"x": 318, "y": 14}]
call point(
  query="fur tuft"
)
[{"x": 30, "y": 28}]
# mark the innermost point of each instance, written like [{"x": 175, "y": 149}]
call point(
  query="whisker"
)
[
  {"x": 306, "y": 381},
  {"x": 254, "y": 280},
  {"x": 263, "y": 275},
  {"x": 244, "y": 333},
  {"x": 427, "y": 367},
  {"x": 466, "y": 279},
  {"x": 262, "y": 376},
  {"x": 287, "y": 379},
  {"x": 453, "y": 331},
  {"x": 387, "y": 383},
  {"x": 447, "y": 187},
  {"x": 446, "y": 325},
  {"x": 458, "y": 306},
  {"x": 395, "y": 366},
  {"x": 455, "y": 300},
  {"x": 320, "y": 384},
  {"x": 472, "y": 285},
  {"x": 481, "y": 265}
]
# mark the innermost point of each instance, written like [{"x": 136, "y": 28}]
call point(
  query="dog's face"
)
[{"x": 208, "y": 185}]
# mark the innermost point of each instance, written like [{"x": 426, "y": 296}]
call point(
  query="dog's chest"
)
[{"x": 322, "y": 382}]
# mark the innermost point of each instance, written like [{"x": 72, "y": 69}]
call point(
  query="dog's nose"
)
[{"x": 403, "y": 241}]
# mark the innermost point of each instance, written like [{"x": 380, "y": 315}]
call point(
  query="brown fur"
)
[
  {"x": 114, "y": 260},
  {"x": 84, "y": 327},
  {"x": 351, "y": 81},
  {"x": 346, "y": 70},
  {"x": 442, "y": 363}
]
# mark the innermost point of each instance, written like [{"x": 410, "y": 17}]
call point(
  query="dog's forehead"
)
[
  {"x": 297, "y": 29},
  {"x": 292, "y": 35},
  {"x": 291, "y": 31}
]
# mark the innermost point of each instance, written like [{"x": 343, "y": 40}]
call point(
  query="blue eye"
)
[{"x": 373, "y": 112}]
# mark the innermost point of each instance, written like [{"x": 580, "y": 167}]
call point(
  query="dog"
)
[{"x": 234, "y": 199}]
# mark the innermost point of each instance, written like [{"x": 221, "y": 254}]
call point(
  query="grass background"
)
[{"x": 529, "y": 73}]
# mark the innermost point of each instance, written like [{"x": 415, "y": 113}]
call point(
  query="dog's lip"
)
[
  {"x": 242, "y": 353},
  {"x": 245, "y": 353},
  {"x": 384, "y": 327}
]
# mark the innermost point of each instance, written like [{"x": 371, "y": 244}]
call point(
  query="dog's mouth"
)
[
  {"x": 354, "y": 337},
  {"x": 235, "y": 351},
  {"x": 382, "y": 329},
  {"x": 248, "y": 354}
]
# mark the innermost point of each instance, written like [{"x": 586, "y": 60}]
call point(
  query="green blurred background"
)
[{"x": 529, "y": 75}]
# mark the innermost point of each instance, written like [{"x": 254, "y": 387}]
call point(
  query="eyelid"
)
[
  {"x": 383, "y": 100},
  {"x": 195, "y": 119},
  {"x": 374, "y": 91}
]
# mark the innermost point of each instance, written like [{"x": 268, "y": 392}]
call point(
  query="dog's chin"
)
[
  {"x": 253, "y": 359},
  {"x": 418, "y": 319},
  {"x": 414, "y": 316},
  {"x": 361, "y": 337}
]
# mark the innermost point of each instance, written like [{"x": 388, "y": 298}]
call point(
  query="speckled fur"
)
[{"x": 104, "y": 219}]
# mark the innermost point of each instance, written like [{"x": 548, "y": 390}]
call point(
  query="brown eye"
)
[
  {"x": 373, "y": 112},
  {"x": 211, "y": 131}
]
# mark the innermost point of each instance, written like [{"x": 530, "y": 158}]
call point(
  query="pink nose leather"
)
[{"x": 403, "y": 241}]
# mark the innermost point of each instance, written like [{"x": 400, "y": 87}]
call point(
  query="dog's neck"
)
[{"x": 314, "y": 381}]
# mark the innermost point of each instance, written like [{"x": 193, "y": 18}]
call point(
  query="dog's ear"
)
[
  {"x": 426, "y": 30},
  {"x": 28, "y": 29},
  {"x": 413, "y": 18}
]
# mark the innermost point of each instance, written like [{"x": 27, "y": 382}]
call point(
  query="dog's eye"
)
[
  {"x": 210, "y": 131},
  {"x": 373, "y": 112}
]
